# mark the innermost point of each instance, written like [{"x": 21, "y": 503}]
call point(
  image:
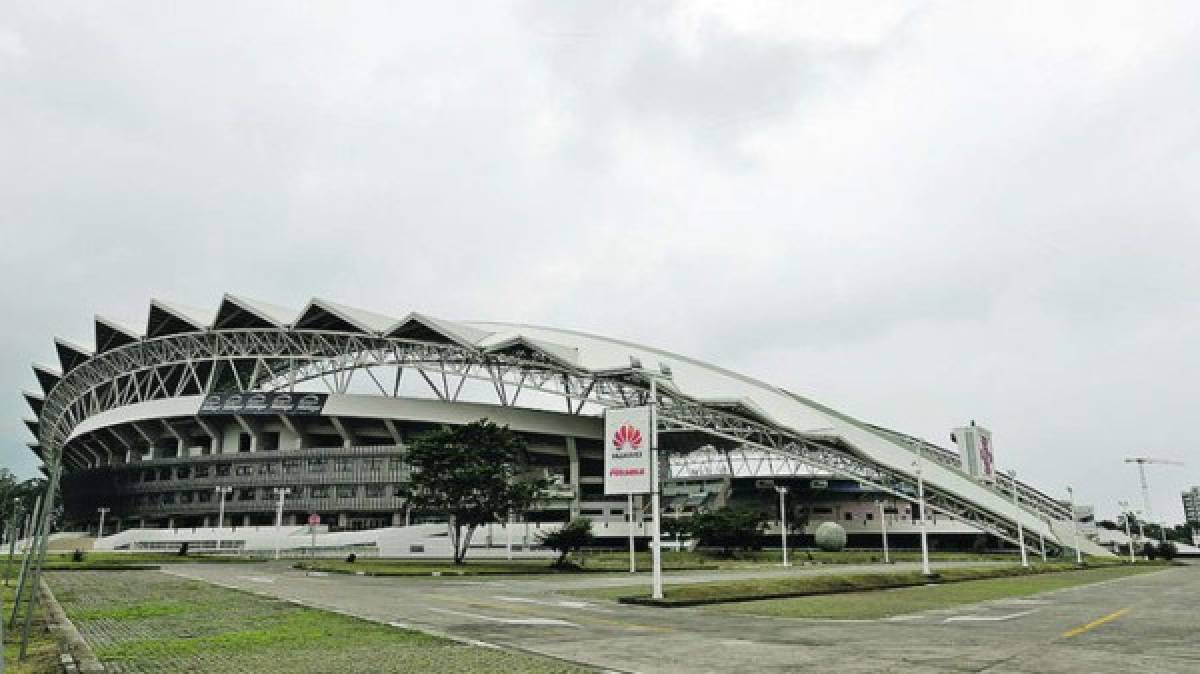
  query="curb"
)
[{"x": 77, "y": 655}]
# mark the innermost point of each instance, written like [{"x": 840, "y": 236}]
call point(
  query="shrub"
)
[{"x": 78, "y": 555}]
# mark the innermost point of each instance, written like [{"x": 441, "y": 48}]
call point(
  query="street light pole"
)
[
  {"x": 921, "y": 507},
  {"x": 629, "y": 525},
  {"x": 282, "y": 493},
  {"x": 883, "y": 529},
  {"x": 1129, "y": 537},
  {"x": 100, "y": 530},
  {"x": 655, "y": 492},
  {"x": 221, "y": 492},
  {"x": 1075, "y": 527},
  {"x": 1012, "y": 474},
  {"x": 783, "y": 520}
]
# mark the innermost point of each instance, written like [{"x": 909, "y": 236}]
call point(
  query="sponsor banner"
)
[
  {"x": 627, "y": 458},
  {"x": 263, "y": 404},
  {"x": 975, "y": 450}
]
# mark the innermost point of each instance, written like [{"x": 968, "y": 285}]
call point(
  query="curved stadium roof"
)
[{"x": 714, "y": 388}]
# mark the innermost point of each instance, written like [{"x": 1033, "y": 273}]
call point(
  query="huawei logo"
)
[{"x": 627, "y": 437}]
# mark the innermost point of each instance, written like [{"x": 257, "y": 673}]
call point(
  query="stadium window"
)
[
  {"x": 248, "y": 494},
  {"x": 316, "y": 465},
  {"x": 870, "y": 516},
  {"x": 185, "y": 497},
  {"x": 345, "y": 491},
  {"x": 268, "y": 468},
  {"x": 374, "y": 491},
  {"x": 822, "y": 511},
  {"x": 168, "y": 498},
  {"x": 396, "y": 465},
  {"x": 374, "y": 465},
  {"x": 201, "y": 471},
  {"x": 343, "y": 465},
  {"x": 223, "y": 469},
  {"x": 291, "y": 466},
  {"x": 244, "y": 441},
  {"x": 149, "y": 476},
  {"x": 204, "y": 496},
  {"x": 183, "y": 472},
  {"x": 270, "y": 441},
  {"x": 164, "y": 474},
  {"x": 849, "y": 516},
  {"x": 245, "y": 470},
  {"x": 319, "y": 491}
]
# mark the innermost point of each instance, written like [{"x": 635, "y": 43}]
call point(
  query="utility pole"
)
[
  {"x": 629, "y": 520},
  {"x": 783, "y": 520},
  {"x": 883, "y": 529},
  {"x": 221, "y": 492},
  {"x": 1012, "y": 474},
  {"x": 656, "y": 492},
  {"x": 282, "y": 493},
  {"x": 1125, "y": 515},
  {"x": 1075, "y": 527},
  {"x": 100, "y": 529},
  {"x": 921, "y": 507}
]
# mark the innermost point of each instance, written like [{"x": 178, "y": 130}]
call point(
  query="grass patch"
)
[
  {"x": 873, "y": 605},
  {"x": 693, "y": 594},
  {"x": 42, "y": 653},
  {"x": 153, "y": 622}
]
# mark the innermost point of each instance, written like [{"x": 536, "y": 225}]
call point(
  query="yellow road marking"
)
[{"x": 1095, "y": 623}]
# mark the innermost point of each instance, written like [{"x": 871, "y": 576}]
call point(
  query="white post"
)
[
  {"x": 783, "y": 520},
  {"x": 221, "y": 492},
  {"x": 1141, "y": 531},
  {"x": 655, "y": 492},
  {"x": 100, "y": 530},
  {"x": 508, "y": 537},
  {"x": 921, "y": 508},
  {"x": 1075, "y": 527},
  {"x": 282, "y": 493},
  {"x": 883, "y": 528},
  {"x": 1012, "y": 474},
  {"x": 629, "y": 511},
  {"x": 1042, "y": 543}
]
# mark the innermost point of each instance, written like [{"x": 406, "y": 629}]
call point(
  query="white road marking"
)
[
  {"x": 986, "y": 618},
  {"x": 507, "y": 621},
  {"x": 562, "y": 604},
  {"x": 257, "y": 579}
]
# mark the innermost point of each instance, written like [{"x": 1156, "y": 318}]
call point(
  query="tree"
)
[
  {"x": 728, "y": 528},
  {"x": 572, "y": 536},
  {"x": 474, "y": 474}
]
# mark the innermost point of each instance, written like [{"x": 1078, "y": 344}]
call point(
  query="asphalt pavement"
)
[{"x": 1145, "y": 623}]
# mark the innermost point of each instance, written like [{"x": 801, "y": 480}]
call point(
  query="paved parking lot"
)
[{"x": 1141, "y": 623}]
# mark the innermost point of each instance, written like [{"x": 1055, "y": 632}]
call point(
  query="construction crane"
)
[{"x": 1141, "y": 462}]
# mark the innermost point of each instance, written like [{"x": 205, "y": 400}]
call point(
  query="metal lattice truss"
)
[{"x": 260, "y": 359}]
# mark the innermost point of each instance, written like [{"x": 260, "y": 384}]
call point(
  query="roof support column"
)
[
  {"x": 573, "y": 476},
  {"x": 344, "y": 430},
  {"x": 216, "y": 440}
]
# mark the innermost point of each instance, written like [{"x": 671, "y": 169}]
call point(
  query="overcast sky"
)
[{"x": 920, "y": 214}]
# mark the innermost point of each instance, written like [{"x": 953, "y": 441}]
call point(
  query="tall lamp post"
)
[
  {"x": 783, "y": 520},
  {"x": 883, "y": 529},
  {"x": 921, "y": 509},
  {"x": 1075, "y": 527},
  {"x": 1129, "y": 537},
  {"x": 1012, "y": 474},
  {"x": 282, "y": 493},
  {"x": 100, "y": 529},
  {"x": 221, "y": 492},
  {"x": 629, "y": 524}
]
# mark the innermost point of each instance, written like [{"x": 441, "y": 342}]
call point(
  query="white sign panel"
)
[
  {"x": 975, "y": 447},
  {"x": 627, "y": 460}
]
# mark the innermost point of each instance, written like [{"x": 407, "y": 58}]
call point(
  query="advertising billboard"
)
[
  {"x": 628, "y": 467},
  {"x": 263, "y": 404},
  {"x": 975, "y": 449}
]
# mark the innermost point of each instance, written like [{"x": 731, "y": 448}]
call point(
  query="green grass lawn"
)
[
  {"x": 812, "y": 584},
  {"x": 146, "y": 621},
  {"x": 42, "y": 653},
  {"x": 62, "y": 561},
  {"x": 886, "y": 603}
]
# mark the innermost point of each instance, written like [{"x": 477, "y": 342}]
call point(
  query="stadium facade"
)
[{"x": 253, "y": 397}]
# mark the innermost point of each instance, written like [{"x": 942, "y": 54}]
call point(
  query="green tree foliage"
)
[
  {"x": 474, "y": 474},
  {"x": 18, "y": 497},
  {"x": 572, "y": 536},
  {"x": 728, "y": 528}
]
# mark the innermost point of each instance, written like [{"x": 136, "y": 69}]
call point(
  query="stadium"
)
[{"x": 212, "y": 427}]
